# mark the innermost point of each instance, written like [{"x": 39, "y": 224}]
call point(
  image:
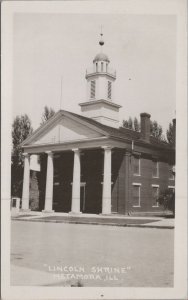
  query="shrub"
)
[{"x": 167, "y": 199}]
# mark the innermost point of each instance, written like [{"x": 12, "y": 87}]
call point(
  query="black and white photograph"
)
[{"x": 94, "y": 162}]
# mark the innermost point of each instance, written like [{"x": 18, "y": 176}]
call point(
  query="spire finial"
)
[{"x": 101, "y": 42}]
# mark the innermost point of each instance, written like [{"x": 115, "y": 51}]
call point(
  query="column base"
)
[
  {"x": 75, "y": 213},
  {"x": 25, "y": 210},
  {"x": 47, "y": 211}
]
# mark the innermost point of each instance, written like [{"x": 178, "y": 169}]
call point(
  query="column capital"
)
[
  {"x": 25, "y": 154},
  {"x": 77, "y": 150},
  {"x": 107, "y": 147},
  {"x": 50, "y": 153}
]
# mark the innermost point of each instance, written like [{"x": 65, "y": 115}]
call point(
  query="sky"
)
[{"x": 48, "y": 47}]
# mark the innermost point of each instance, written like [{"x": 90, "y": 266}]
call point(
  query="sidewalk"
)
[{"x": 92, "y": 219}]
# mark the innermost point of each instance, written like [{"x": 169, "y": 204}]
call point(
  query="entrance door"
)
[{"x": 82, "y": 197}]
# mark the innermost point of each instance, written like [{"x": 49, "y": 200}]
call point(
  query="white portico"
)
[{"x": 68, "y": 133}]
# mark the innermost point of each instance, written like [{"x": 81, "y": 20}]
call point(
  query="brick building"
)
[{"x": 90, "y": 164}]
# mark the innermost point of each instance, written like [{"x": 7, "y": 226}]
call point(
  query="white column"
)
[
  {"x": 49, "y": 183},
  {"x": 75, "y": 206},
  {"x": 106, "y": 195},
  {"x": 26, "y": 181}
]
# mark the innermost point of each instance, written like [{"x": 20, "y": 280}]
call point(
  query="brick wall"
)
[
  {"x": 146, "y": 180},
  {"x": 123, "y": 179}
]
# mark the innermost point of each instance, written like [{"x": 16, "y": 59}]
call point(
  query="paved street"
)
[{"x": 59, "y": 254}]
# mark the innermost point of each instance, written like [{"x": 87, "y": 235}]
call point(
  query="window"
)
[
  {"x": 171, "y": 188},
  {"x": 155, "y": 195},
  {"x": 155, "y": 169},
  {"x": 96, "y": 67},
  {"x": 171, "y": 172},
  {"x": 92, "y": 94},
  {"x": 102, "y": 65},
  {"x": 136, "y": 195},
  {"x": 136, "y": 165},
  {"x": 109, "y": 90}
]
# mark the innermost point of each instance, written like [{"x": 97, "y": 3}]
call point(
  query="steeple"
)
[{"x": 100, "y": 90}]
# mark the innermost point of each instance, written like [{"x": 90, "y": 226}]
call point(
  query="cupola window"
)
[
  {"x": 92, "y": 92},
  {"x": 96, "y": 67},
  {"x": 109, "y": 90},
  {"x": 102, "y": 67}
]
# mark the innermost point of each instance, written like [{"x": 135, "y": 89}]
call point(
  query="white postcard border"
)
[{"x": 168, "y": 7}]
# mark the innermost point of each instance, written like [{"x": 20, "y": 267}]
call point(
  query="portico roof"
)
[{"x": 79, "y": 129}]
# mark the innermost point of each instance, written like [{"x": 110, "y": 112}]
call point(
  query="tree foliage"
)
[
  {"x": 21, "y": 129},
  {"x": 125, "y": 124},
  {"x": 47, "y": 114},
  {"x": 167, "y": 199},
  {"x": 155, "y": 129},
  {"x": 132, "y": 124},
  {"x": 169, "y": 133},
  {"x": 136, "y": 124}
]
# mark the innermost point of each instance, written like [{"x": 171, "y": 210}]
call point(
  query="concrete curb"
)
[{"x": 96, "y": 223}]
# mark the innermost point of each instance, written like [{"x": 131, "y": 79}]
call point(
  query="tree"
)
[
  {"x": 47, "y": 114},
  {"x": 156, "y": 130},
  {"x": 21, "y": 129},
  {"x": 128, "y": 124},
  {"x": 136, "y": 124},
  {"x": 125, "y": 124},
  {"x": 169, "y": 134}
]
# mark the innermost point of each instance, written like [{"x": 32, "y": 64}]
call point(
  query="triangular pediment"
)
[{"x": 61, "y": 129}]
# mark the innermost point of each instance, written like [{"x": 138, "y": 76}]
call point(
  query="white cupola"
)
[{"x": 100, "y": 92}]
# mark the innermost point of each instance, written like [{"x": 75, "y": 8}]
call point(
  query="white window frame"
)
[
  {"x": 171, "y": 187},
  {"x": 139, "y": 185},
  {"x": 157, "y": 169},
  {"x": 139, "y": 164},
  {"x": 156, "y": 186}
]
